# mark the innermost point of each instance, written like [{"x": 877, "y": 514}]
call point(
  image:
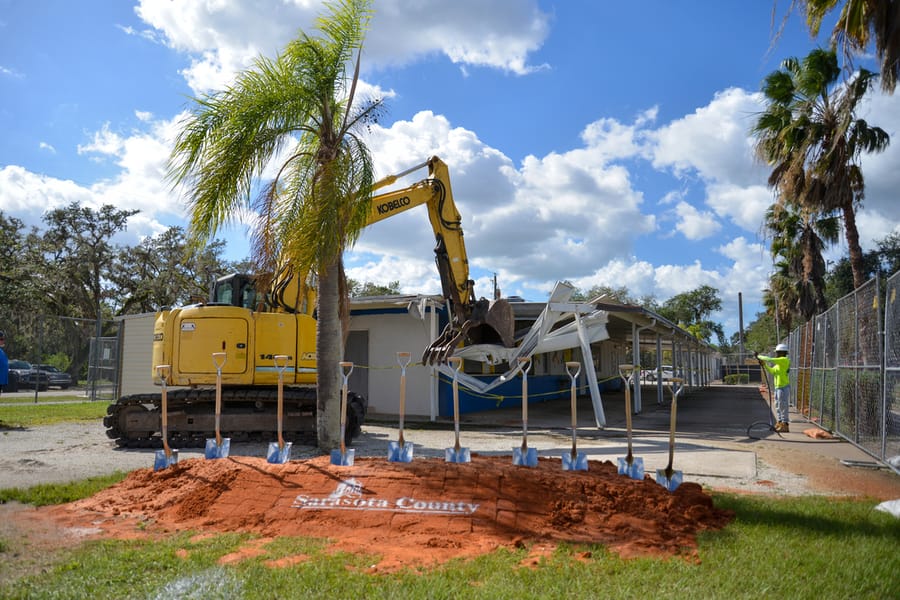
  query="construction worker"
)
[
  {"x": 779, "y": 366},
  {"x": 4, "y": 363}
]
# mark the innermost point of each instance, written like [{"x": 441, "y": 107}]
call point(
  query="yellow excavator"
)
[{"x": 252, "y": 327}]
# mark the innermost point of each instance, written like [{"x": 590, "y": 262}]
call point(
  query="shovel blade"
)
[
  {"x": 460, "y": 455},
  {"x": 578, "y": 462},
  {"x": 669, "y": 480},
  {"x": 635, "y": 469},
  {"x": 396, "y": 453},
  {"x": 215, "y": 450},
  {"x": 529, "y": 458},
  {"x": 279, "y": 456},
  {"x": 162, "y": 461},
  {"x": 343, "y": 459}
]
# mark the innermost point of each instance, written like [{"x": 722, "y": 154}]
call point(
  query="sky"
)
[{"x": 602, "y": 143}]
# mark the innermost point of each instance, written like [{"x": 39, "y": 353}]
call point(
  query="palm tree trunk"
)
[
  {"x": 856, "y": 254},
  {"x": 329, "y": 353}
]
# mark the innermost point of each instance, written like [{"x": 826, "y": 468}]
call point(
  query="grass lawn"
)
[
  {"x": 777, "y": 547},
  {"x": 30, "y": 414},
  {"x": 797, "y": 547}
]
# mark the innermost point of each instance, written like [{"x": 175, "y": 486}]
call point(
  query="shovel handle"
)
[
  {"x": 162, "y": 371},
  {"x": 525, "y": 362},
  {"x": 628, "y": 413},
  {"x": 573, "y": 368},
  {"x": 280, "y": 361},
  {"x": 672, "y": 430},
  {"x": 218, "y": 359},
  {"x": 455, "y": 360},
  {"x": 346, "y": 369},
  {"x": 403, "y": 359}
]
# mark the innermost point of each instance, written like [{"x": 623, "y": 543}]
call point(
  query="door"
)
[{"x": 357, "y": 352}]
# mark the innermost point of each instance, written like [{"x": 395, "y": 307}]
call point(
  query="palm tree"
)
[
  {"x": 302, "y": 104},
  {"x": 797, "y": 287},
  {"x": 811, "y": 137},
  {"x": 861, "y": 22}
]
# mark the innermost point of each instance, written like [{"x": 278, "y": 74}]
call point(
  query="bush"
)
[{"x": 737, "y": 378}]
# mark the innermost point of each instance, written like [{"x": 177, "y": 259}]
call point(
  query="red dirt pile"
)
[{"x": 418, "y": 513}]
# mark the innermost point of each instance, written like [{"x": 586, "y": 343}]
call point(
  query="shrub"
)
[{"x": 737, "y": 378}]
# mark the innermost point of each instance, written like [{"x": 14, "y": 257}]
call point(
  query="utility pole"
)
[{"x": 741, "y": 324}]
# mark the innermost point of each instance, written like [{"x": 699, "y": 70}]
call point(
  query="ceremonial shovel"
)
[
  {"x": 631, "y": 466},
  {"x": 669, "y": 478},
  {"x": 456, "y": 454},
  {"x": 218, "y": 447},
  {"x": 574, "y": 460},
  {"x": 280, "y": 451},
  {"x": 343, "y": 457},
  {"x": 165, "y": 457},
  {"x": 401, "y": 451},
  {"x": 525, "y": 456}
]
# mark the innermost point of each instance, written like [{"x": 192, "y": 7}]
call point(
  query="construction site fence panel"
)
[{"x": 845, "y": 369}]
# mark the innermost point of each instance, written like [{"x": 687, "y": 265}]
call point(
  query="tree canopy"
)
[
  {"x": 300, "y": 113},
  {"x": 56, "y": 278}
]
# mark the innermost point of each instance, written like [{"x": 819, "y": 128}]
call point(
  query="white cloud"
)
[
  {"x": 6, "y": 71},
  {"x": 468, "y": 32},
  {"x": 225, "y": 37},
  {"x": 27, "y": 195},
  {"x": 694, "y": 224},
  {"x": 104, "y": 141},
  {"x": 745, "y": 206},
  {"x": 880, "y": 208},
  {"x": 48, "y": 147},
  {"x": 556, "y": 216},
  {"x": 138, "y": 184},
  {"x": 713, "y": 141}
]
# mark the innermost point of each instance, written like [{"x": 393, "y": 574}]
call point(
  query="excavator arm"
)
[{"x": 472, "y": 321}]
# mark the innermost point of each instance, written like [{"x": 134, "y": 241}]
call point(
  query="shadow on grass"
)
[{"x": 813, "y": 514}]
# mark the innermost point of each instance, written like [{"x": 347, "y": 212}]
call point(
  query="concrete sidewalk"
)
[{"x": 712, "y": 442}]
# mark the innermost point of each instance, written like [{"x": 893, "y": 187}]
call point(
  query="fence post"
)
[{"x": 882, "y": 331}]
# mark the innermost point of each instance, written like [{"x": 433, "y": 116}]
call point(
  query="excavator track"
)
[{"x": 249, "y": 414}]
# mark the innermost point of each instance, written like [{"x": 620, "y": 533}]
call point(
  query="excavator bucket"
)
[{"x": 490, "y": 323}]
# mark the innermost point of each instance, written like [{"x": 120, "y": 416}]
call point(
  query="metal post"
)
[{"x": 659, "y": 389}]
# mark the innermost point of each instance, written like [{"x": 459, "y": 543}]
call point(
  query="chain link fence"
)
[
  {"x": 890, "y": 446},
  {"x": 69, "y": 344},
  {"x": 845, "y": 369}
]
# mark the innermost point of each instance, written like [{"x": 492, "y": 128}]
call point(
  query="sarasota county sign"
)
[{"x": 348, "y": 495}]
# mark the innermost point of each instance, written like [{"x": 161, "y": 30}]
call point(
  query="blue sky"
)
[{"x": 597, "y": 142}]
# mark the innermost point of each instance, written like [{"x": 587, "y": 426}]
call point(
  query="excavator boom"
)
[{"x": 472, "y": 321}]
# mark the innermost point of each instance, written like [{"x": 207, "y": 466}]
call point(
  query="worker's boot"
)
[{"x": 782, "y": 427}]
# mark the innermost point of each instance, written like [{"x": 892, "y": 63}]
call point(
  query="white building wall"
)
[
  {"x": 136, "y": 370},
  {"x": 390, "y": 333}
]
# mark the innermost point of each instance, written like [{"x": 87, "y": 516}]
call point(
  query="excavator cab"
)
[{"x": 235, "y": 289}]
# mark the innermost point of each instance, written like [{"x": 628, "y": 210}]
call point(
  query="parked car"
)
[
  {"x": 664, "y": 370},
  {"x": 44, "y": 376},
  {"x": 17, "y": 371}
]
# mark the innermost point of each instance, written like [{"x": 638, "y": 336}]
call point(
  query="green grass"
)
[
  {"x": 50, "y": 396},
  {"x": 797, "y": 547},
  {"x": 31, "y": 415},
  {"x": 60, "y": 493}
]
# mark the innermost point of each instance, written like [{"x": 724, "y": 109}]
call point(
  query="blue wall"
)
[{"x": 507, "y": 395}]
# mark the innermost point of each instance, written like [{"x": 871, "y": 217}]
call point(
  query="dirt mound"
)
[{"x": 418, "y": 513}]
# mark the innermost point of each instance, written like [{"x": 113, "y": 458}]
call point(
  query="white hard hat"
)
[{"x": 781, "y": 348}]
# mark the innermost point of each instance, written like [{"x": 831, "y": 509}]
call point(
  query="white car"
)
[{"x": 665, "y": 370}]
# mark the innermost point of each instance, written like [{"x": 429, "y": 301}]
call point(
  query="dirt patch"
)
[{"x": 414, "y": 514}]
